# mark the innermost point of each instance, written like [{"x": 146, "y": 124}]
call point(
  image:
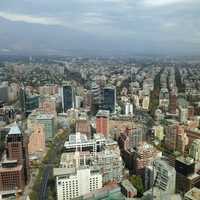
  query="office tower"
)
[
  {"x": 67, "y": 97},
  {"x": 28, "y": 102},
  {"x": 96, "y": 93},
  {"x": 164, "y": 176},
  {"x": 72, "y": 183},
  {"x": 37, "y": 139},
  {"x": 17, "y": 149},
  {"x": 109, "y": 99},
  {"x": 128, "y": 109},
  {"x": 102, "y": 122},
  {"x": 186, "y": 173},
  {"x": 49, "y": 123},
  {"x": 172, "y": 102},
  {"x": 11, "y": 177}
]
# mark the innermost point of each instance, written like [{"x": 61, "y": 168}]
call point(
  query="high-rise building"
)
[
  {"x": 48, "y": 105},
  {"x": 49, "y": 123},
  {"x": 72, "y": 183},
  {"x": 176, "y": 138},
  {"x": 136, "y": 137},
  {"x": 194, "y": 151},
  {"x": 172, "y": 102},
  {"x": 164, "y": 176},
  {"x": 11, "y": 177},
  {"x": 183, "y": 114},
  {"x": 67, "y": 97},
  {"x": 186, "y": 175},
  {"x": 128, "y": 109},
  {"x": 143, "y": 156},
  {"x": 28, "y": 102},
  {"x": 102, "y": 122},
  {"x": 109, "y": 99},
  {"x": 4, "y": 92},
  {"x": 17, "y": 149}
]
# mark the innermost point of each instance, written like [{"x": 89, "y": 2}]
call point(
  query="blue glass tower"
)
[
  {"x": 67, "y": 98},
  {"x": 109, "y": 99}
]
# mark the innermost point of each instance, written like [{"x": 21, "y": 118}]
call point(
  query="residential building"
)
[{"x": 164, "y": 176}]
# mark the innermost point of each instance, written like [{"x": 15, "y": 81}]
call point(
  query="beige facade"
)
[{"x": 37, "y": 139}]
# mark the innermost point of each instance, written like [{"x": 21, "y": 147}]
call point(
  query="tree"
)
[{"x": 137, "y": 183}]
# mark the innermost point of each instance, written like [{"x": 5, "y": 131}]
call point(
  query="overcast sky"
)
[{"x": 132, "y": 26}]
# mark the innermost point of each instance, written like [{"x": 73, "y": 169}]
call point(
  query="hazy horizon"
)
[{"x": 100, "y": 27}]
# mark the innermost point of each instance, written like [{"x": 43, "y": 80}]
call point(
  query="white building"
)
[
  {"x": 128, "y": 109},
  {"x": 183, "y": 114},
  {"x": 72, "y": 183},
  {"x": 136, "y": 101},
  {"x": 195, "y": 150},
  {"x": 164, "y": 176},
  {"x": 145, "y": 103}
]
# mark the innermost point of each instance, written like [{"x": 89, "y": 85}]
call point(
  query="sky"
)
[{"x": 163, "y": 27}]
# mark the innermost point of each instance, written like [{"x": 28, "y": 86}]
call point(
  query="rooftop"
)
[
  {"x": 14, "y": 130},
  {"x": 103, "y": 113},
  {"x": 193, "y": 194}
]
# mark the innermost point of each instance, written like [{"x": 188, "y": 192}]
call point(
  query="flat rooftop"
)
[{"x": 193, "y": 194}]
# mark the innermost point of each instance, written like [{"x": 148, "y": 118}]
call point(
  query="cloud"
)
[
  {"x": 31, "y": 19},
  {"x": 157, "y": 3}
]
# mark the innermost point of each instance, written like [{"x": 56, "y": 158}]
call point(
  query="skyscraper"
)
[
  {"x": 67, "y": 97},
  {"x": 109, "y": 99},
  {"x": 17, "y": 149}
]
